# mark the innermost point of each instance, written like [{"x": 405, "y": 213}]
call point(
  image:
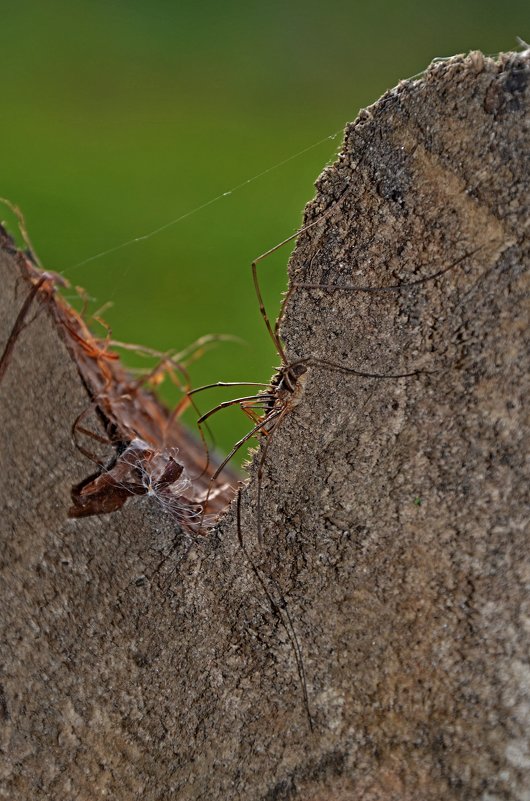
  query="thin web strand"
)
[{"x": 200, "y": 207}]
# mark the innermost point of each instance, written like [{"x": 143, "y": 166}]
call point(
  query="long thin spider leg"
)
[
  {"x": 244, "y": 439},
  {"x": 5, "y": 358},
  {"x": 98, "y": 437},
  {"x": 228, "y": 384},
  {"x": 258, "y": 427},
  {"x": 261, "y": 464},
  {"x": 343, "y": 369},
  {"x": 221, "y": 406},
  {"x": 255, "y": 411},
  {"x": 297, "y": 652},
  {"x": 239, "y": 444},
  {"x": 253, "y": 415},
  {"x": 89, "y": 455},
  {"x": 171, "y": 367},
  {"x": 233, "y": 402},
  {"x": 200, "y": 420},
  {"x": 275, "y": 339},
  {"x": 277, "y": 610},
  {"x": 390, "y": 287},
  {"x": 203, "y": 440},
  {"x": 183, "y": 404},
  {"x": 285, "y": 301},
  {"x": 273, "y": 332}
]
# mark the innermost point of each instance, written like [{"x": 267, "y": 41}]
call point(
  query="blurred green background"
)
[{"x": 122, "y": 115}]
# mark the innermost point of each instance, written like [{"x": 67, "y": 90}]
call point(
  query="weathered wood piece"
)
[{"x": 138, "y": 661}]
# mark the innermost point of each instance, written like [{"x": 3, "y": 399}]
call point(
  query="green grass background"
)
[{"x": 120, "y": 116}]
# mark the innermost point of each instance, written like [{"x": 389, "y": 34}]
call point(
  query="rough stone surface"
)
[{"x": 139, "y": 662}]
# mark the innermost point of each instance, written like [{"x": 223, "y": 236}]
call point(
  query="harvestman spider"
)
[
  {"x": 266, "y": 409},
  {"x": 269, "y": 407},
  {"x": 275, "y": 401}
]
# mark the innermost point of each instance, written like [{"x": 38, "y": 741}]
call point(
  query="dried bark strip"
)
[{"x": 127, "y": 412}]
